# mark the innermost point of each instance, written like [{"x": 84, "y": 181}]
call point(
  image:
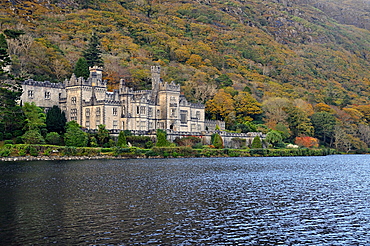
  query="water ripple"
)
[{"x": 215, "y": 201}]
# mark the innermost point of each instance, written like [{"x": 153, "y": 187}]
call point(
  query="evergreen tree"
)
[
  {"x": 35, "y": 123},
  {"x": 162, "y": 139},
  {"x": 122, "y": 142},
  {"x": 35, "y": 117},
  {"x": 56, "y": 120},
  {"x": 283, "y": 130},
  {"x": 11, "y": 116},
  {"x": 81, "y": 68},
  {"x": 224, "y": 81},
  {"x": 4, "y": 56},
  {"x": 102, "y": 135},
  {"x": 256, "y": 143},
  {"x": 74, "y": 136},
  {"x": 324, "y": 125},
  {"x": 216, "y": 140},
  {"x": 93, "y": 54},
  {"x": 298, "y": 121}
]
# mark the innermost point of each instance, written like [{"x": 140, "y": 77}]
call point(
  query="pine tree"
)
[
  {"x": 11, "y": 116},
  {"x": 82, "y": 68},
  {"x": 55, "y": 120},
  {"x": 256, "y": 143},
  {"x": 122, "y": 142},
  {"x": 162, "y": 138},
  {"x": 93, "y": 54},
  {"x": 217, "y": 141},
  {"x": 4, "y": 56}
]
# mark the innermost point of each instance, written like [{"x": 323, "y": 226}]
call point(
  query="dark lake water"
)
[{"x": 209, "y": 201}]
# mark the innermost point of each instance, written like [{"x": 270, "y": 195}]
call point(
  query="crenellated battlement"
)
[
  {"x": 164, "y": 86},
  {"x": 155, "y": 70},
  {"x": 47, "y": 84}
]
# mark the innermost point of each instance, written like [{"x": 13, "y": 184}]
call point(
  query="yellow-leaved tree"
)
[
  {"x": 221, "y": 107},
  {"x": 246, "y": 107}
]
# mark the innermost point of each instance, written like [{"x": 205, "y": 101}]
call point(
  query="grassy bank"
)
[{"x": 21, "y": 150}]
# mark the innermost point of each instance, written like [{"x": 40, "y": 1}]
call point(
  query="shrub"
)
[
  {"x": 47, "y": 152},
  {"x": 197, "y": 146},
  {"x": 151, "y": 153},
  {"x": 167, "y": 151},
  {"x": 33, "y": 151},
  {"x": 5, "y": 152},
  {"x": 162, "y": 139},
  {"x": 119, "y": 151},
  {"x": 33, "y": 137},
  {"x": 93, "y": 142},
  {"x": 149, "y": 144},
  {"x": 74, "y": 136},
  {"x": 187, "y": 141},
  {"x": 256, "y": 143},
  {"x": 70, "y": 151},
  {"x": 19, "y": 140},
  {"x": 217, "y": 141},
  {"x": 53, "y": 138},
  {"x": 8, "y": 142},
  {"x": 139, "y": 141},
  {"x": 21, "y": 150},
  {"x": 122, "y": 142}
]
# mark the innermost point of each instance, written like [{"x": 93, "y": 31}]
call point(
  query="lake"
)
[{"x": 205, "y": 201}]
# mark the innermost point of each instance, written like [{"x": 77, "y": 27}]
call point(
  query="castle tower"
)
[
  {"x": 156, "y": 77},
  {"x": 96, "y": 75}
]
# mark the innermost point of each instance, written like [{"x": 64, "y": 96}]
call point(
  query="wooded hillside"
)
[
  {"x": 312, "y": 51},
  {"x": 276, "y": 48}
]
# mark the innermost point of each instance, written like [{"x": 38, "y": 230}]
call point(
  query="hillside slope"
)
[{"x": 296, "y": 49}]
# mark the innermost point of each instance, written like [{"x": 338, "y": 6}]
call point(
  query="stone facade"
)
[{"x": 90, "y": 104}]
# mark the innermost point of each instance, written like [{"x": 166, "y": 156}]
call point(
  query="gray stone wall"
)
[{"x": 43, "y": 94}]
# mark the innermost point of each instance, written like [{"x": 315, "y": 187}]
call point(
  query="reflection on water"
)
[{"x": 246, "y": 201}]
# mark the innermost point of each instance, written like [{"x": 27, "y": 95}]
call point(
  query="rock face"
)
[
  {"x": 348, "y": 12},
  {"x": 354, "y": 12}
]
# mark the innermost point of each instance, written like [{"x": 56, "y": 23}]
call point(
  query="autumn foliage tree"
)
[
  {"x": 308, "y": 142},
  {"x": 221, "y": 106},
  {"x": 246, "y": 107}
]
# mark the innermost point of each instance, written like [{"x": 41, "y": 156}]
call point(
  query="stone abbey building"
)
[{"x": 90, "y": 104}]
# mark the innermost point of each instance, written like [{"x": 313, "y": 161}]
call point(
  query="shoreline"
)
[
  {"x": 82, "y": 158},
  {"x": 14, "y": 153},
  {"x": 65, "y": 158}
]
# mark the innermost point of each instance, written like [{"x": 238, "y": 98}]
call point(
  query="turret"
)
[
  {"x": 96, "y": 75},
  {"x": 156, "y": 77}
]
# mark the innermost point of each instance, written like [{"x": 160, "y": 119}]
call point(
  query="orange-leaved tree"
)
[{"x": 308, "y": 142}]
